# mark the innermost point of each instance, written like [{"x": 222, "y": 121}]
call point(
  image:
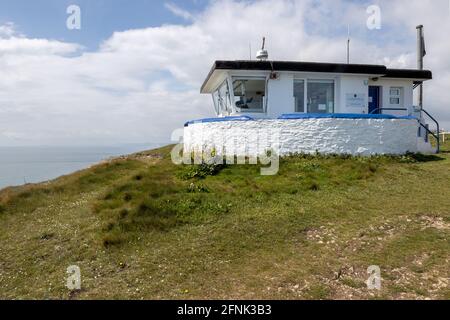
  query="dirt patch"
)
[
  {"x": 419, "y": 286},
  {"x": 325, "y": 235},
  {"x": 434, "y": 222},
  {"x": 150, "y": 159}
]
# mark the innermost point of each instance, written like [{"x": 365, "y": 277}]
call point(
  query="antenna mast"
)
[{"x": 348, "y": 45}]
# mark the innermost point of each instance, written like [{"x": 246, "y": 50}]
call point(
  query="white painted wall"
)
[
  {"x": 281, "y": 95},
  {"x": 327, "y": 136},
  {"x": 353, "y": 85},
  {"x": 280, "y": 92},
  {"x": 408, "y": 95}
]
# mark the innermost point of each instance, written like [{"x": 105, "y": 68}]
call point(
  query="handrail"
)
[
  {"x": 388, "y": 109},
  {"x": 437, "y": 128},
  {"x": 431, "y": 117},
  {"x": 431, "y": 132}
]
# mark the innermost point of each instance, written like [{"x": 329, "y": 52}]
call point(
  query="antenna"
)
[
  {"x": 262, "y": 55},
  {"x": 348, "y": 45}
]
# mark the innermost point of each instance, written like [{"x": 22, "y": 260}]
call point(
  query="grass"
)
[{"x": 142, "y": 227}]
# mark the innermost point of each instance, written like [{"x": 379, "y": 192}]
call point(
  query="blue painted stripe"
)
[
  {"x": 224, "y": 119},
  {"x": 298, "y": 116},
  {"x": 295, "y": 116}
]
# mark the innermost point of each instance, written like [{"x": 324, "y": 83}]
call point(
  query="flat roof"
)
[{"x": 297, "y": 66}]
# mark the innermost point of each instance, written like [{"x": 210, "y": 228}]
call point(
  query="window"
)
[
  {"x": 299, "y": 95},
  {"x": 320, "y": 96},
  {"x": 249, "y": 94},
  {"x": 395, "y": 96},
  {"x": 215, "y": 96},
  {"x": 222, "y": 99}
]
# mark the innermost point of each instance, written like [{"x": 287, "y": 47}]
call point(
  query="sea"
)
[{"x": 22, "y": 165}]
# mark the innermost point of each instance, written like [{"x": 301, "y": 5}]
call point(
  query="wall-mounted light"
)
[{"x": 274, "y": 76}]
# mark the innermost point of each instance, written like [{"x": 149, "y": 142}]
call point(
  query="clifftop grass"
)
[{"x": 141, "y": 227}]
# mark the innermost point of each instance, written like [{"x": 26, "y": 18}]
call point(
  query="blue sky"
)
[
  {"x": 132, "y": 73},
  {"x": 100, "y": 18}
]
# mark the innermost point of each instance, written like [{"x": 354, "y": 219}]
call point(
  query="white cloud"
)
[
  {"x": 19, "y": 46},
  {"x": 176, "y": 10},
  {"x": 7, "y": 30},
  {"x": 13, "y": 42},
  {"x": 141, "y": 84}
]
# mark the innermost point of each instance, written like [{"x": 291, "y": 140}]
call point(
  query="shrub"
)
[{"x": 200, "y": 171}]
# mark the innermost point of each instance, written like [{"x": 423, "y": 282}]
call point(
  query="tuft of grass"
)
[
  {"x": 354, "y": 283},
  {"x": 113, "y": 239},
  {"x": 313, "y": 186},
  {"x": 47, "y": 236},
  {"x": 197, "y": 188},
  {"x": 318, "y": 292}
]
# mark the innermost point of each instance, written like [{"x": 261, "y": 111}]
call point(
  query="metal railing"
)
[
  {"x": 387, "y": 109},
  {"x": 436, "y": 136},
  {"x": 423, "y": 111}
]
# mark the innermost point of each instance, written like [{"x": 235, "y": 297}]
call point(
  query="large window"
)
[
  {"x": 319, "y": 96},
  {"x": 249, "y": 94}
]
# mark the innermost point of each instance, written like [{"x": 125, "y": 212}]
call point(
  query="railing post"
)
[{"x": 439, "y": 139}]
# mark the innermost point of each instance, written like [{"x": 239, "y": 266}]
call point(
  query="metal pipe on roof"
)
[{"x": 420, "y": 54}]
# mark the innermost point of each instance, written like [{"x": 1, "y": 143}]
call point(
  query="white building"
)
[{"x": 315, "y": 107}]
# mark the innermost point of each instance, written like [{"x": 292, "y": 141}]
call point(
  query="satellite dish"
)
[{"x": 262, "y": 54}]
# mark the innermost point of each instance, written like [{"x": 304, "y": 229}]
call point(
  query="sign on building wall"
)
[{"x": 355, "y": 100}]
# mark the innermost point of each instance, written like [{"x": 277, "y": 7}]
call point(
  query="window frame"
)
[
  {"x": 398, "y": 96},
  {"x": 227, "y": 107},
  {"x": 305, "y": 94},
  {"x": 215, "y": 98},
  {"x": 263, "y": 110},
  {"x": 305, "y": 81}
]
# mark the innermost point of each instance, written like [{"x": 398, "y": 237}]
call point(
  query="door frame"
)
[{"x": 380, "y": 104}]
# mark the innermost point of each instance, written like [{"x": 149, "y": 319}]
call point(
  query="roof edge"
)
[
  {"x": 415, "y": 74},
  {"x": 320, "y": 67}
]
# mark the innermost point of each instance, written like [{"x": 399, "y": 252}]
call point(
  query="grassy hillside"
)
[{"x": 141, "y": 227}]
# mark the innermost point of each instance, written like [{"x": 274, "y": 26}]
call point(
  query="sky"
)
[{"x": 132, "y": 72}]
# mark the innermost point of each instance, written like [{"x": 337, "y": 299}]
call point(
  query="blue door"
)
[{"x": 374, "y": 100}]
